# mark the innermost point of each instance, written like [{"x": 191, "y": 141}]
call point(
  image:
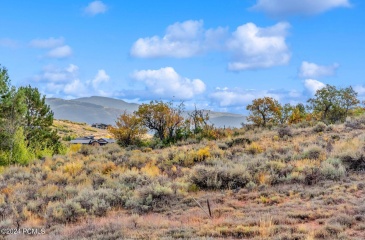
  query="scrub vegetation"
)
[{"x": 292, "y": 173}]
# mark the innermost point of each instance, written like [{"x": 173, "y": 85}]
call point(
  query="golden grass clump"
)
[
  {"x": 73, "y": 168},
  {"x": 108, "y": 167},
  {"x": 300, "y": 165},
  {"x": 75, "y": 148},
  {"x": 151, "y": 169},
  {"x": 202, "y": 154},
  {"x": 350, "y": 145},
  {"x": 266, "y": 227},
  {"x": 254, "y": 148},
  {"x": 263, "y": 178}
]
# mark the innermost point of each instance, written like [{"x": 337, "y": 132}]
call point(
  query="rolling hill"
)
[{"x": 106, "y": 110}]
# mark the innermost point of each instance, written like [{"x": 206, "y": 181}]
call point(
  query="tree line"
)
[
  {"x": 166, "y": 121},
  {"x": 25, "y": 124},
  {"x": 329, "y": 105},
  {"x": 26, "y": 120}
]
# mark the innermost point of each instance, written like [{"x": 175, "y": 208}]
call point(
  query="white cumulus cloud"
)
[
  {"x": 250, "y": 46},
  {"x": 76, "y": 88},
  {"x": 60, "y": 52},
  {"x": 313, "y": 85},
  {"x": 253, "y": 47},
  {"x": 312, "y": 70},
  {"x": 53, "y": 74},
  {"x": 100, "y": 77},
  {"x": 229, "y": 98},
  {"x": 65, "y": 82},
  {"x": 278, "y": 8},
  {"x": 96, "y": 7},
  {"x": 167, "y": 83},
  {"x": 181, "y": 40},
  {"x": 226, "y": 97},
  {"x": 47, "y": 43}
]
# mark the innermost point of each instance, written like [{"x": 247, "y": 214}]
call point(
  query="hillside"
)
[
  {"x": 297, "y": 182},
  {"x": 106, "y": 110},
  {"x": 74, "y": 129},
  {"x": 109, "y": 103},
  {"x": 78, "y": 111},
  {"x": 66, "y": 128}
]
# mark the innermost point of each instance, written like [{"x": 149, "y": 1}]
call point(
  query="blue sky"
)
[{"x": 217, "y": 54}]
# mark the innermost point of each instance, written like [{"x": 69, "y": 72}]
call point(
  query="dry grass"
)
[
  {"x": 294, "y": 187},
  {"x": 68, "y": 128}
]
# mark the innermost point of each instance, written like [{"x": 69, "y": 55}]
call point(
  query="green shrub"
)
[
  {"x": 312, "y": 175},
  {"x": 285, "y": 131},
  {"x": 223, "y": 146},
  {"x": 313, "y": 153},
  {"x": 112, "y": 148},
  {"x": 353, "y": 160},
  {"x": 156, "y": 197},
  {"x": 90, "y": 201},
  {"x": 355, "y": 123},
  {"x": 5, "y": 211},
  {"x": 97, "y": 180},
  {"x": 330, "y": 128},
  {"x": 51, "y": 193},
  {"x": 239, "y": 141},
  {"x": 98, "y": 202},
  {"x": 333, "y": 169},
  {"x": 87, "y": 150},
  {"x": 134, "y": 179},
  {"x": 251, "y": 186},
  {"x": 68, "y": 212},
  {"x": 35, "y": 206},
  {"x": 343, "y": 220},
  {"x": 220, "y": 176},
  {"x": 16, "y": 174},
  {"x": 334, "y": 229},
  {"x": 319, "y": 127}
]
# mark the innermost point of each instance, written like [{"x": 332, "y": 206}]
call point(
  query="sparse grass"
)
[{"x": 261, "y": 184}]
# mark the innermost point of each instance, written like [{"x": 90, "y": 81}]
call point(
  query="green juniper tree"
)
[
  {"x": 25, "y": 123},
  {"x": 38, "y": 121},
  {"x": 12, "y": 110},
  {"x": 332, "y": 104}
]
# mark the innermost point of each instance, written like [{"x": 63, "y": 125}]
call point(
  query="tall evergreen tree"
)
[
  {"x": 12, "y": 110},
  {"x": 38, "y": 121},
  {"x": 25, "y": 123},
  {"x": 4, "y": 82}
]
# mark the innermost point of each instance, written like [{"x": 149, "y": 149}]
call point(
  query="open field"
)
[{"x": 298, "y": 182}]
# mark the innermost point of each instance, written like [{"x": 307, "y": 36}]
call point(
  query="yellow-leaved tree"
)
[
  {"x": 263, "y": 111},
  {"x": 162, "y": 118},
  {"x": 128, "y": 129}
]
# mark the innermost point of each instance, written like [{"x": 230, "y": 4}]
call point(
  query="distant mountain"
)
[
  {"x": 109, "y": 103},
  {"x": 82, "y": 111},
  {"x": 228, "y": 121},
  {"x": 106, "y": 110}
]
